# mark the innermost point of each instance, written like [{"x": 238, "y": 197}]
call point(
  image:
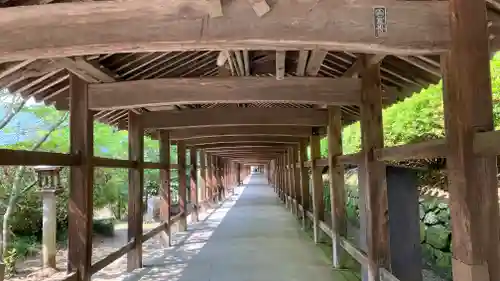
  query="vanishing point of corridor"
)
[{"x": 251, "y": 237}]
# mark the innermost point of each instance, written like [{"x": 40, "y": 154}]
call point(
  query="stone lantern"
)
[{"x": 49, "y": 183}]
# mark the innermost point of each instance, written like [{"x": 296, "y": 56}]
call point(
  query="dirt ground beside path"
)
[{"x": 30, "y": 269}]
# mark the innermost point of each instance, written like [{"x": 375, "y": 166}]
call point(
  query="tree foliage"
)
[{"x": 417, "y": 118}]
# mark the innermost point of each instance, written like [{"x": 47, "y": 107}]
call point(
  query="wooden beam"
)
[
  {"x": 165, "y": 185},
  {"x": 80, "y": 205},
  {"x": 280, "y": 65},
  {"x": 242, "y": 145},
  {"x": 317, "y": 188},
  {"x": 10, "y": 157},
  {"x": 260, "y": 7},
  {"x": 241, "y": 139},
  {"x": 472, "y": 179},
  {"x": 181, "y": 161},
  {"x": 135, "y": 190},
  {"x": 246, "y": 149},
  {"x": 373, "y": 171},
  {"x": 235, "y": 117},
  {"x": 193, "y": 133},
  {"x": 177, "y": 25},
  {"x": 315, "y": 61},
  {"x": 336, "y": 184},
  {"x": 170, "y": 91}
]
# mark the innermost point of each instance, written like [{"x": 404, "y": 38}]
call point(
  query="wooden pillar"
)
[
  {"x": 296, "y": 180},
  {"x": 165, "y": 191},
  {"x": 209, "y": 190},
  {"x": 317, "y": 188},
  {"x": 135, "y": 190},
  {"x": 181, "y": 163},
  {"x": 285, "y": 179},
  {"x": 374, "y": 171},
  {"x": 304, "y": 182},
  {"x": 81, "y": 181},
  {"x": 282, "y": 179},
  {"x": 203, "y": 176},
  {"x": 471, "y": 177},
  {"x": 218, "y": 179},
  {"x": 193, "y": 172},
  {"x": 291, "y": 178},
  {"x": 337, "y": 191},
  {"x": 214, "y": 178},
  {"x": 238, "y": 174}
]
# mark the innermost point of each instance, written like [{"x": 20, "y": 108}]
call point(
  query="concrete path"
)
[{"x": 251, "y": 237}]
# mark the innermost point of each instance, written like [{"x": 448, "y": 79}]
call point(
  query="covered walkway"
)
[{"x": 250, "y": 237}]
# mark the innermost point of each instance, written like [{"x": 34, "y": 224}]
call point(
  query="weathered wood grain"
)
[
  {"x": 235, "y": 117},
  {"x": 161, "y": 92},
  {"x": 373, "y": 171},
  {"x": 472, "y": 179},
  {"x": 48, "y": 30},
  {"x": 80, "y": 203},
  {"x": 193, "y": 133},
  {"x": 135, "y": 190}
]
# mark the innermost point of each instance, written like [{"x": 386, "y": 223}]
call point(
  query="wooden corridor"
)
[
  {"x": 250, "y": 237},
  {"x": 259, "y": 82}
]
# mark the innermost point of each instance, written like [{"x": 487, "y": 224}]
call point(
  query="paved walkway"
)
[{"x": 251, "y": 237}]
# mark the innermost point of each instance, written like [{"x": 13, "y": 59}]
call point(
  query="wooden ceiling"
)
[{"x": 217, "y": 72}]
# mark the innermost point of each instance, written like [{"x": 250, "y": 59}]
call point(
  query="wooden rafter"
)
[
  {"x": 99, "y": 26},
  {"x": 315, "y": 61}
]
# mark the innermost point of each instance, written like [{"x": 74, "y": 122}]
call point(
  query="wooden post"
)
[
  {"x": 317, "y": 188},
  {"x": 165, "y": 191},
  {"x": 218, "y": 177},
  {"x": 337, "y": 191},
  {"x": 291, "y": 178},
  {"x": 135, "y": 190},
  {"x": 209, "y": 190},
  {"x": 181, "y": 163},
  {"x": 203, "y": 176},
  {"x": 194, "y": 183},
  {"x": 296, "y": 181},
  {"x": 282, "y": 179},
  {"x": 471, "y": 177},
  {"x": 81, "y": 181},
  {"x": 374, "y": 171},
  {"x": 238, "y": 174},
  {"x": 304, "y": 182},
  {"x": 285, "y": 179},
  {"x": 214, "y": 178}
]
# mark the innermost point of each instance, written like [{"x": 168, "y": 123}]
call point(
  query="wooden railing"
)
[{"x": 359, "y": 255}]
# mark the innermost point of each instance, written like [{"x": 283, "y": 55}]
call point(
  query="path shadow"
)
[{"x": 176, "y": 262}]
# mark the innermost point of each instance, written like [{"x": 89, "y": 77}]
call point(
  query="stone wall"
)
[
  {"x": 435, "y": 230},
  {"x": 435, "y": 234}
]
